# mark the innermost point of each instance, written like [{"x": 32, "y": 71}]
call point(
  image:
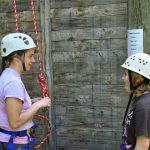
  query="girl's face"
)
[
  {"x": 125, "y": 78},
  {"x": 29, "y": 58}
]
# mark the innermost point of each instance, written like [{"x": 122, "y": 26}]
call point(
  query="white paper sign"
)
[{"x": 135, "y": 41}]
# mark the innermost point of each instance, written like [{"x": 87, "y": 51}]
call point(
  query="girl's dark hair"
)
[
  {"x": 7, "y": 60},
  {"x": 3, "y": 65}
]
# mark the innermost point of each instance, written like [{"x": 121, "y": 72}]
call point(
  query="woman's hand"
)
[
  {"x": 16, "y": 117},
  {"x": 34, "y": 100},
  {"x": 44, "y": 102}
]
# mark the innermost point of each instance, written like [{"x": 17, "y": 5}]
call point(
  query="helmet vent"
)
[
  {"x": 4, "y": 50},
  {"x": 15, "y": 42},
  {"x": 127, "y": 63},
  {"x": 26, "y": 42},
  {"x": 133, "y": 58},
  {"x": 138, "y": 63},
  {"x": 143, "y": 62},
  {"x": 24, "y": 38}
]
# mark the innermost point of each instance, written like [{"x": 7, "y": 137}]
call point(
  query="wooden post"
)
[
  {"x": 138, "y": 14},
  {"x": 47, "y": 61}
]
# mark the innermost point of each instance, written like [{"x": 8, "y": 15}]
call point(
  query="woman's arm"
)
[
  {"x": 142, "y": 143},
  {"x": 17, "y": 118},
  {"x": 33, "y": 100}
]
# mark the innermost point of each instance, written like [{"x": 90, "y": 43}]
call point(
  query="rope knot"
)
[{"x": 42, "y": 82}]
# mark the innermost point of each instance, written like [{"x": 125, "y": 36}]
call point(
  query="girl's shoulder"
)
[{"x": 143, "y": 102}]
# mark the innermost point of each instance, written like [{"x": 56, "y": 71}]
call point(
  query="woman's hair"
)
[
  {"x": 137, "y": 79},
  {"x": 7, "y": 60}
]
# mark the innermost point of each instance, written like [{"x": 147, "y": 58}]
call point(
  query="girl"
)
[
  {"x": 16, "y": 110},
  {"x": 136, "y": 124}
]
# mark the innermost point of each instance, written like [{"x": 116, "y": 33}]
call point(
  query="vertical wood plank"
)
[{"x": 47, "y": 62}]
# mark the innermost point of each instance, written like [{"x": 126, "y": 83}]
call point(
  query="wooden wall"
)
[{"x": 88, "y": 45}]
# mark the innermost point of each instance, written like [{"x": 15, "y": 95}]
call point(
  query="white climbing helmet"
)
[
  {"x": 139, "y": 63},
  {"x": 15, "y": 42}
]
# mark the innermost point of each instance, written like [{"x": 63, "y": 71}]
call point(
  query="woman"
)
[
  {"x": 136, "y": 124},
  {"x": 16, "y": 110}
]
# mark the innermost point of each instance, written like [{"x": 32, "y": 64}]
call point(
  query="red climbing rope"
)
[
  {"x": 37, "y": 146},
  {"x": 16, "y": 16},
  {"x": 41, "y": 78}
]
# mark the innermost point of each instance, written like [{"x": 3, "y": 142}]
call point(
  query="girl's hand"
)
[
  {"x": 34, "y": 100},
  {"x": 44, "y": 102}
]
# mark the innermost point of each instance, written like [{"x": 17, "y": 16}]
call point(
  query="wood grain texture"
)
[
  {"x": 89, "y": 45},
  {"x": 58, "y": 4},
  {"x": 84, "y": 43},
  {"x": 22, "y": 5},
  {"x": 139, "y": 18}
]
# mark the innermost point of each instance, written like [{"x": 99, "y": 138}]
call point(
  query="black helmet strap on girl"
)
[
  {"x": 132, "y": 87},
  {"x": 22, "y": 60},
  {"x": 23, "y": 63}
]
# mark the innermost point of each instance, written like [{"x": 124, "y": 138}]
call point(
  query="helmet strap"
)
[
  {"x": 23, "y": 65},
  {"x": 130, "y": 99},
  {"x": 22, "y": 61},
  {"x": 130, "y": 80},
  {"x": 133, "y": 88}
]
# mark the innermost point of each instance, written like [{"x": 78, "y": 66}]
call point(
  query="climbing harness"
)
[
  {"x": 41, "y": 78},
  {"x": 29, "y": 133},
  {"x": 122, "y": 147}
]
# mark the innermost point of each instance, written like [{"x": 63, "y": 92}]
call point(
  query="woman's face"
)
[
  {"x": 29, "y": 58},
  {"x": 125, "y": 78}
]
